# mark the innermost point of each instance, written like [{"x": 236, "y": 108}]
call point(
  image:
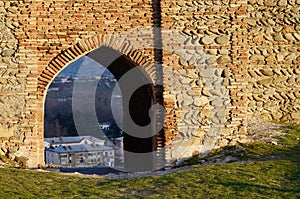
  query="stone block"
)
[
  {"x": 201, "y": 101},
  {"x": 207, "y": 40},
  {"x": 7, "y": 52},
  {"x": 282, "y": 3},
  {"x": 267, "y": 72},
  {"x": 257, "y": 58},
  {"x": 296, "y": 115},
  {"x": 6, "y": 132},
  {"x": 207, "y": 73},
  {"x": 222, "y": 40},
  {"x": 265, "y": 81},
  {"x": 278, "y": 37},
  {"x": 225, "y": 59}
]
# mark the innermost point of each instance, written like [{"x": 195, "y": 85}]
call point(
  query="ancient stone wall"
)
[
  {"x": 40, "y": 38},
  {"x": 208, "y": 106},
  {"x": 274, "y": 60},
  {"x": 223, "y": 62},
  {"x": 12, "y": 84}
]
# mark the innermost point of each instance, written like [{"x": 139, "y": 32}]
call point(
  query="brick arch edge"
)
[
  {"x": 85, "y": 46},
  {"x": 67, "y": 56}
]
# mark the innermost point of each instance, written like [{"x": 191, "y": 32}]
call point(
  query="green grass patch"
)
[{"x": 276, "y": 176}]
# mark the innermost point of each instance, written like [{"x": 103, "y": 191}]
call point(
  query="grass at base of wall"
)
[
  {"x": 257, "y": 150},
  {"x": 276, "y": 177}
]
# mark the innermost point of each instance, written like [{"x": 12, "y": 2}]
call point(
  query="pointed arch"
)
[
  {"x": 114, "y": 44},
  {"x": 83, "y": 47}
]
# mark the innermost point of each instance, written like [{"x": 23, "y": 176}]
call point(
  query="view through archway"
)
[{"x": 72, "y": 137}]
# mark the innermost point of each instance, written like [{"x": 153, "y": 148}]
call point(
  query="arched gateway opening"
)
[{"x": 139, "y": 116}]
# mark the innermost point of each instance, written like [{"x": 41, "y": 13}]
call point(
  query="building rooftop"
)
[
  {"x": 71, "y": 139},
  {"x": 80, "y": 148}
]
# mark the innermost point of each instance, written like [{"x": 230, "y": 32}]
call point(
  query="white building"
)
[
  {"x": 118, "y": 145},
  {"x": 71, "y": 140},
  {"x": 80, "y": 155}
]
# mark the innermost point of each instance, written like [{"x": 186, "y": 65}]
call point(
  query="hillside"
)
[{"x": 263, "y": 171}]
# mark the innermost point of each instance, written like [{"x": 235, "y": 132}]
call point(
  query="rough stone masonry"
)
[{"x": 247, "y": 58}]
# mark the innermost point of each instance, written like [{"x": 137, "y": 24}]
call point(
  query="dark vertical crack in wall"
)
[{"x": 158, "y": 58}]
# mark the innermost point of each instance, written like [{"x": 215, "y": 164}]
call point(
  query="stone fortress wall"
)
[
  {"x": 211, "y": 88},
  {"x": 13, "y": 82},
  {"x": 274, "y": 59},
  {"x": 241, "y": 63}
]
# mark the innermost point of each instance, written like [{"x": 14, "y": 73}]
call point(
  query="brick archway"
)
[{"x": 82, "y": 48}]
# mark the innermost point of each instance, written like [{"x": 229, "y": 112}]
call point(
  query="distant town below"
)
[
  {"x": 59, "y": 117},
  {"x": 84, "y": 151}
]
